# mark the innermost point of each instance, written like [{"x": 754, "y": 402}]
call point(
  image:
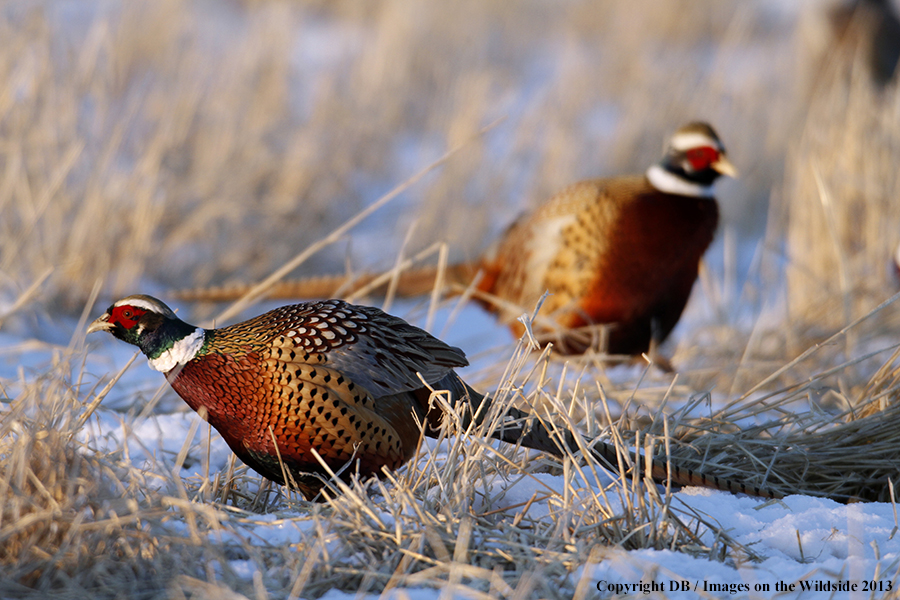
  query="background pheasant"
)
[
  {"x": 348, "y": 381},
  {"x": 622, "y": 252}
]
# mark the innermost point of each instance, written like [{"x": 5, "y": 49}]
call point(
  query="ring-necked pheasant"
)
[
  {"x": 622, "y": 252},
  {"x": 351, "y": 382}
]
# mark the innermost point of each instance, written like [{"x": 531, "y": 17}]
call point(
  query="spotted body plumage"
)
[
  {"x": 340, "y": 379},
  {"x": 612, "y": 251}
]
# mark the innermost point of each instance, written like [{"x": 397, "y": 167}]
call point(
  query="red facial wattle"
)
[
  {"x": 127, "y": 316},
  {"x": 702, "y": 158}
]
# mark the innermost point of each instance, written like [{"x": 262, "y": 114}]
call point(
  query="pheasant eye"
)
[
  {"x": 126, "y": 316},
  {"x": 701, "y": 158}
]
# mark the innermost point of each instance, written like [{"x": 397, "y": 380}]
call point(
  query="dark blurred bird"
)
[
  {"x": 350, "y": 382},
  {"x": 621, "y": 252},
  {"x": 872, "y": 29}
]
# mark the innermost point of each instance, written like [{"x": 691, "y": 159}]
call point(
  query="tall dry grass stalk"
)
[{"x": 839, "y": 198}]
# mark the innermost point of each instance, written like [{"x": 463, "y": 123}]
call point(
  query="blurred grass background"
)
[
  {"x": 169, "y": 144},
  {"x": 177, "y": 144},
  {"x": 156, "y": 145}
]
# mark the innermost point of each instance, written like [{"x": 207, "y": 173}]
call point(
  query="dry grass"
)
[
  {"x": 838, "y": 216},
  {"x": 163, "y": 144},
  {"x": 831, "y": 433},
  {"x": 71, "y": 522},
  {"x": 840, "y": 195},
  {"x": 76, "y": 522}
]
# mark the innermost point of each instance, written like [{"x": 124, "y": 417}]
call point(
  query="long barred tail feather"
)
[
  {"x": 410, "y": 282},
  {"x": 536, "y": 436},
  {"x": 526, "y": 429}
]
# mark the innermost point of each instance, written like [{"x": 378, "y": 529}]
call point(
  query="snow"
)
[{"x": 854, "y": 543}]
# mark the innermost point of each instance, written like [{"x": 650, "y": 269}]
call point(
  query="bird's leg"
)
[{"x": 653, "y": 353}]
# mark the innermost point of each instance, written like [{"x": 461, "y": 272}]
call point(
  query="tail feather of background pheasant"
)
[
  {"x": 527, "y": 429},
  {"x": 410, "y": 282}
]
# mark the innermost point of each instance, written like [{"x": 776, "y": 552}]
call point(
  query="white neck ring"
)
[
  {"x": 669, "y": 183},
  {"x": 180, "y": 353}
]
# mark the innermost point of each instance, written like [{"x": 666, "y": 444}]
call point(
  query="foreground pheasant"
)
[
  {"x": 623, "y": 252},
  {"x": 346, "y": 381}
]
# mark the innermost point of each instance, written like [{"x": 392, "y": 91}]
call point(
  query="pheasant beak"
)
[
  {"x": 101, "y": 323},
  {"x": 724, "y": 166}
]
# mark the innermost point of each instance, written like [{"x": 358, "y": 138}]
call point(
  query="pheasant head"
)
[{"x": 147, "y": 323}]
